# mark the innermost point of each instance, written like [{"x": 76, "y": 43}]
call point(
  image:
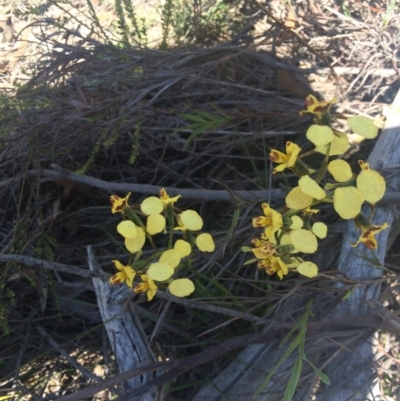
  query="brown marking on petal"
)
[
  {"x": 370, "y": 244},
  {"x": 114, "y": 279},
  {"x": 273, "y": 156},
  {"x": 320, "y": 108},
  {"x": 257, "y": 221},
  {"x": 309, "y": 101}
]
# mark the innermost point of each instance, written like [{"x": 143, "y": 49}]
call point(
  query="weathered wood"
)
[
  {"x": 126, "y": 338},
  {"x": 348, "y": 356}
]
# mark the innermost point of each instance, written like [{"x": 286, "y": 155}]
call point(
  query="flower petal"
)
[
  {"x": 205, "y": 243},
  {"x": 152, "y": 205},
  {"x": 311, "y": 188},
  {"x": 304, "y": 241},
  {"x": 183, "y": 247},
  {"x": 127, "y": 229},
  {"x": 340, "y": 170},
  {"x": 171, "y": 257},
  {"x": 347, "y": 202},
  {"x": 191, "y": 220},
  {"x": 339, "y": 145},
  {"x": 134, "y": 245},
  {"x": 363, "y": 126},
  {"x": 297, "y": 199},
  {"x": 320, "y": 135},
  {"x": 371, "y": 184},
  {"x": 297, "y": 222},
  {"x": 308, "y": 269},
  {"x": 320, "y": 230},
  {"x": 160, "y": 271},
  {"x": 155, "y": 223},
  {"x": 182, "y": 287}
]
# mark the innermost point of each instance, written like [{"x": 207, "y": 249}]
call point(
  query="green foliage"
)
[
  {"x": 185, "y": 21},
  {"x": 202, "y": 122},
  {"x": 133, "y": 32},
  {"x": 297, "y": 343}
]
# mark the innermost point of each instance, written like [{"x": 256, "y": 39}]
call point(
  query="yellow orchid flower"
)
[
  {"x": 272, "y": 220},
  {"x": 317, "y": 107},
  {"x": 287, "y": 160},
  {"x": 368, "y": 232},
  {"x": 118, "y": 203},
  {"x": 147, "y": 286},
  {"x": 274, "y": 265},
  {"x": 125, "y": 274},
  {"x": 263, "y": 249}
]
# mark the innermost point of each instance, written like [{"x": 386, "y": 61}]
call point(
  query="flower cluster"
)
[
  {"x": 161, "y": 267},
  {"x": 292, "y": 230}
]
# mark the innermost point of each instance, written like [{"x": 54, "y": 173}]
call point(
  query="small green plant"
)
[
  {"x": 298, "y": 342},
  {"x": 132, "y": 30}
]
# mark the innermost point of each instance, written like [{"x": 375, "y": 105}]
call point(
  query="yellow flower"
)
[
  {"x": 118, "y": 204},
  {"x": 274, "y": 265},
  {"x": 287, "y": 160},
  {"x": 126, "y": 273},
  {"x": 166, "y": 200},
  {"x": 147, "y": 286},
  {"x": 272, "y": 221},
  {"x": 205, "y": 242},
  {"x": 368, "y": 233},
  {"x": 182, "y": 287},
  {"x": 263, "y": 249},
  {"x": 316, "y": 107}
]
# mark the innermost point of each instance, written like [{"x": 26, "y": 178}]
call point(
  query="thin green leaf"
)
[
  {"x": 293, "y": 381},
  {"x": 324, "y": 378},
  {"x": 288, "y": 352}
]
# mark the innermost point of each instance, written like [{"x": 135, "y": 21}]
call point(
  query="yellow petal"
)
[
  {"x": 118, "y": 265},
  {"x": 320, "y": 135},
  {"x": 297, "y": 199},
  {"x": 160, "y": 271},
  {"x": 134, "y": 245},
  {"x": 297, "y": 222},
  {"x": 171, "y": 257},
  {"x": 278, "y": 157},
  {"x": 340, "y": 170},
  {"x": 371, "y": 185},
  {"x": 308, "y": 269},
  {"x": 183, "y": 247},
  {"x": 127, "y": 229},
  {"x": 320, "y": 230},
  {"x": 363, "y": 126},
  {"x": 205, "y": 242},
  {"x": 191, "y": 220},
  {"x": 347, "y": 202},
  {"x": 339, "y": 145},
  {"x": 182, "y": 287},
  {"x": 311, "y": 188},
  {"x": 155, "y": 223},
  {"x": 293, "y": 151},
  {"x": 130, "y": 275},
  {"x": 152, "y": 205},
  {"x": 303, "y": 240}
]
